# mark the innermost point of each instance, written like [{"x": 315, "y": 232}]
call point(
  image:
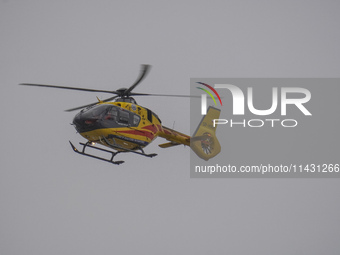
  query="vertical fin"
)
[{"x": 204, "y": 141}]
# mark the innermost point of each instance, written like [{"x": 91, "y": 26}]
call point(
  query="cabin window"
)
[
  {"x": 120, "y": 117},
  {"x": 136, "y": 120},
  {"x": 149, "y": 115},
  {"x": 112, "y": 114},
  {"x": 124, "y": 117}
]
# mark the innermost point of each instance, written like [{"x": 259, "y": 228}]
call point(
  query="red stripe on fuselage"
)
[{"x": 147, "y": 131}]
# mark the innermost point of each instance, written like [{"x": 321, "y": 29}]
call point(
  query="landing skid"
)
[
  {"x": 113, "y": 153},
  {"x": 93, "y": 156}
]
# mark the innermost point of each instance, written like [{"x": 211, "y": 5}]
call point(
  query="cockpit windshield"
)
[
  {"x": 94, "y": 111},
  {"x": 105, "y": 116},
  {"x": 114, "y": 114}
]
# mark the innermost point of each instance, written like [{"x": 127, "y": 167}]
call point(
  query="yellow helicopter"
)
[{"x": 125, "y": 126}]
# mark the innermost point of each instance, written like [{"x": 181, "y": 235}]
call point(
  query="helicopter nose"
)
[
  {"x": 84, "y": 123},
  {"x": 78, "y": 122},
  {"x": 90, "y": 118}
]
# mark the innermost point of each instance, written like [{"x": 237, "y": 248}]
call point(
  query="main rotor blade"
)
[
  {"x": 143, "y": 72},
  {"x": 72, "y": 88},
  {"x": 84, "y": 106},
  {"x": 162, "y": 95}
]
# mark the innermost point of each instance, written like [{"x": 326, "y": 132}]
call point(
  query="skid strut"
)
[
  {"x": 100, "y": 149},
  {"x": 117, "y": 147}
]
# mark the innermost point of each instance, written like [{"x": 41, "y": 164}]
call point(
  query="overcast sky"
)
[{"x": 53, "y": 201}]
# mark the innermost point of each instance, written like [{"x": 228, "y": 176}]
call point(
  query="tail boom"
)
[{"x": 204, "y": 141}]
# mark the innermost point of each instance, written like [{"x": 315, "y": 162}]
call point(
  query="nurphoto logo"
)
[{"x": 284, "y": 94}]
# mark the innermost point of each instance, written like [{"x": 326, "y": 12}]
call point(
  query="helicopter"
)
[{"x": 120, "y": 125}]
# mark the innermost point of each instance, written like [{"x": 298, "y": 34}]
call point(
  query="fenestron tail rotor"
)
[{"x": 119, "y": 93}]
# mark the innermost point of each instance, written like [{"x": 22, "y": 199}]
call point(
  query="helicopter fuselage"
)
[{"x": 123, "y": 124}]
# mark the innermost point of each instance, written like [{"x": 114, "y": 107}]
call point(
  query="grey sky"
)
[{"x": 54, "y": 201}]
